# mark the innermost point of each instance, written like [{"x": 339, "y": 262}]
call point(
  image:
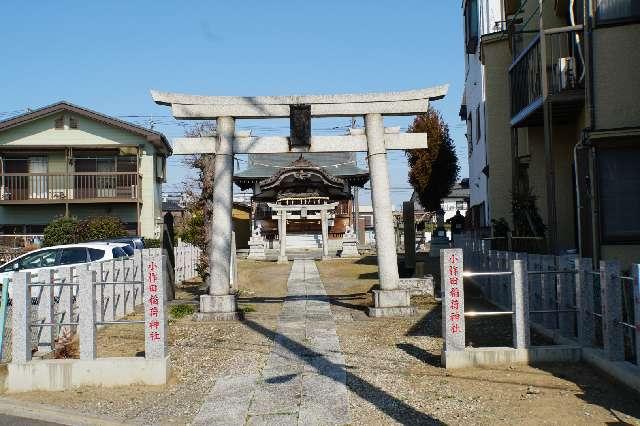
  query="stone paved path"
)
[{"x": 303, "y": 381}]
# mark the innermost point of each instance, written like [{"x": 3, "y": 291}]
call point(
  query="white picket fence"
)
[{"x": 186, "y": 261}]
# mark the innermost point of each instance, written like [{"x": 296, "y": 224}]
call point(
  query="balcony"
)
[
  {"x": 50, "y": 188},
  {"x": 565, "y": 76}
]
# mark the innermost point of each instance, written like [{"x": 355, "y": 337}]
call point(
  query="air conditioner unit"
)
[{"x": 566, "y": 73}]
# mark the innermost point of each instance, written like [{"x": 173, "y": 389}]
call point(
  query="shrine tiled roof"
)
[{"x": 262, "y": 166}]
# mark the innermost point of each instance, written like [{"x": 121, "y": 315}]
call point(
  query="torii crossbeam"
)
[{"x": 390, "y": 300}]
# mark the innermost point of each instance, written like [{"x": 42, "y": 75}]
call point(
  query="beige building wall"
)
[
  {"x": 565, "y": 137},
  {"x": 616, "y": 87},
  {"x": 42, "y": 134},
  {"x": 496, "y": 58}
]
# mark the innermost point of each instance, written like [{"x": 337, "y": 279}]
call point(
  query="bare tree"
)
[{"x": 197, "y": 230}]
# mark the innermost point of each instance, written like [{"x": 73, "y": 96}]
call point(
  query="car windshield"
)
[{"x": 37, "y": 259}]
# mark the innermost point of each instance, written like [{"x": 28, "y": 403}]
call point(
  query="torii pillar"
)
[
  {"x": 220, "y": 303},
  {"x": 390, "y": 300}
]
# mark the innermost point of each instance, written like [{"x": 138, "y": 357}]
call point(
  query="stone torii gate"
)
[
  {"x": 283, "y": 211},
  {"x": 220, "y": 303}
]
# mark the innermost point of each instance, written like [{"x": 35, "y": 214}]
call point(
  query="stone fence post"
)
[
  {"x": 635, "y": 273},
  {"x": 453, "y": 324},
  {"x": 520, "y": 304},
  {"x": 611, "y": 291},
  {"x": 584, "y": 301},
  {"x": 46, "y": 309},
  {"x": 155, "y": 298},
  {"x": 21, "y": 319},
  {"x": 87, "y": 306}
]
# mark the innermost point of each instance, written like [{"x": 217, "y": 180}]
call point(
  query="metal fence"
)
[
  {"x": 566, "y": 297},
  {"x": 54, "y": 304}
]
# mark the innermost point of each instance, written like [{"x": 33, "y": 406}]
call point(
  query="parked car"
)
[
  {"x": 136, "y": 243},
  {"x": 62, "y": 256}
]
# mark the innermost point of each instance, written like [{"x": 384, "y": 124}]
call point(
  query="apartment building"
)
[
  {"x": 485, "y": 109},
  {"x": 66, "y": 160},
  {"x": 573, "y": 119}
]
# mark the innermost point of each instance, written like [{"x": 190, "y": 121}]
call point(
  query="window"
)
[
  {"x": 478, "y": 125},
  {"x": 160, "y": 167},
  {"x": 95, "y": 254},
  {"x": 617, "y": 10},
  {"x": 471, "y": 27},
  {"x": 618, "y": 183},
  {"x": 58, "y": 124},
  {"x": 73, "y": 255},
  {"x": 128, "y": 250},
  {"x": 460, "y": 205},
  {"x": 73, "y": 123},
  {"x": 38, "y": 259},
  {"x": 117, "y": 252},
  {"x": 470, "y": 133}
]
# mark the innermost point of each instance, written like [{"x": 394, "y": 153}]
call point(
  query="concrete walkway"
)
[{"x": 303, "y": 381}]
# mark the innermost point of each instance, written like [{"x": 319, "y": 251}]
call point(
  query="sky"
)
[{"x": 107, "y": 55}]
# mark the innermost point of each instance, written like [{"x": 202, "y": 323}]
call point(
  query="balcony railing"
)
[
  {"x": 564, "y": 68},
  {"x": 69, "y": 187}
]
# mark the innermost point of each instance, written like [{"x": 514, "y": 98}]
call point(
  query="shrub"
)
[
  {"x": 152, "y": 243},
  {"x": 181, "y": 311},
  {"x": 61, "y": 230},
  {"x": 101, "y": 228}
]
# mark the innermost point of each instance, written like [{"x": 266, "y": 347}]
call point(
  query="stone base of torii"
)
[{"x": 220, "y": 304}]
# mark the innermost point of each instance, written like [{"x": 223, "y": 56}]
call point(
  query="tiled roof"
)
[{"x": 262, "y": 166}]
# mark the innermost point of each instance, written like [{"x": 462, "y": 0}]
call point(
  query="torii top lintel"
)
[{"x": 197, "y": 107}]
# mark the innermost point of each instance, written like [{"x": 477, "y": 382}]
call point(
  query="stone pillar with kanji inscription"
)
[
  {"x": 155, "y": 318},
  {"x": 453, "y": 324}
]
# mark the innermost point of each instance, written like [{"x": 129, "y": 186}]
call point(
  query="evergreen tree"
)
[{"x": 434, "y": 170}]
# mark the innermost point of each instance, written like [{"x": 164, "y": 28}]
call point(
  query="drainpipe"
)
[
  {"x": 577, "y": 191},
  {"x": 588, "y": 17}
]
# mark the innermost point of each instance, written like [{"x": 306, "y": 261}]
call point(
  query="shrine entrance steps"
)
[{"x": 304, "y": 379}]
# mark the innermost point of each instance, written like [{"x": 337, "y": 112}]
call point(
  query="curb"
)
[{"x": 48, "y": 413}]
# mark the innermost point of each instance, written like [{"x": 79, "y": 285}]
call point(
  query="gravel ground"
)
[
  {"x": 200, "y": 353},
  {"x": 394, "y": 373}
]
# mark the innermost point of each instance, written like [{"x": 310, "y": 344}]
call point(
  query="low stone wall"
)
[{"x": 418, "y": 286}]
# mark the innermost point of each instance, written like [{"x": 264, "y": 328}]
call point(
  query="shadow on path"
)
[
  {"x": 390, "y": 405},
  {"x": 334, "y": 299}
]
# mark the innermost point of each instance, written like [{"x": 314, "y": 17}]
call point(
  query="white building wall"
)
[
  {"x": 450, "y": 206},
  {"x": 490, "y": 20}
]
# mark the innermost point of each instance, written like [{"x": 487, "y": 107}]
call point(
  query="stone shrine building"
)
[{"x": 307, "y": 180}]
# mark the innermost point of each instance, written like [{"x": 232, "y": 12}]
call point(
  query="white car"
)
[{"x": 63, "y": 256}]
